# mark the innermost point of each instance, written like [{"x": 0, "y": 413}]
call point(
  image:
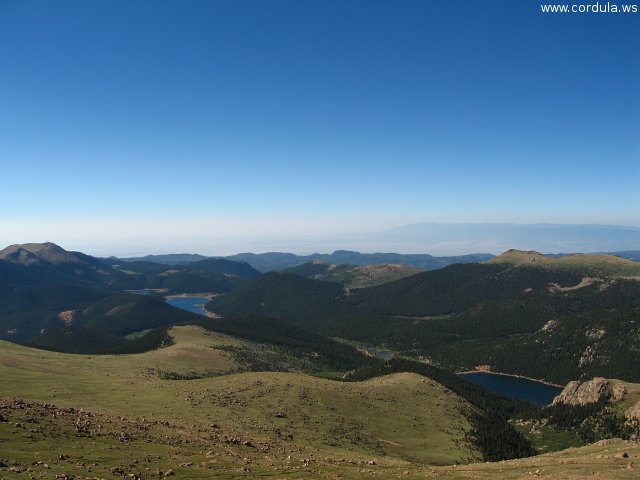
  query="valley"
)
[{"x": 317, "y": 371}]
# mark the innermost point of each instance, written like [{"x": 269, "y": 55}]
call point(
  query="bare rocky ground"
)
[{"x": 42, "y": 440}]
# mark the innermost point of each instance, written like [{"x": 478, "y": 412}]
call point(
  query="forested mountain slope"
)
[{"x": 557, "y": 320}]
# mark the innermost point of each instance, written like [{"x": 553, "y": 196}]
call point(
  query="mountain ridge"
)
[{"x": 270, "y": 261}]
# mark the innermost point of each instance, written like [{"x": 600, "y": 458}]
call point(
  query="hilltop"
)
[
  {"x": 172, "y": 259},
  {"x": 47, "y": 263},
  {"x": 606, "y": 265},
  {"x": 352, "y": 276},
  {"x": 35, "y": 264}
]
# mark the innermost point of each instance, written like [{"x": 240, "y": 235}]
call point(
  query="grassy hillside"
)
[
  {"x": 405, "y": 417},
  {"x": 597, "y": 264},
  {"x": 131, "y": 445},
  {"x": 106, "y": 417}
]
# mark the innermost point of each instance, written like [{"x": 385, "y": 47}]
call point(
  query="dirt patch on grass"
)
[
  {"x": 389, "y": 442},
  {"x": 585, "y": 282}
]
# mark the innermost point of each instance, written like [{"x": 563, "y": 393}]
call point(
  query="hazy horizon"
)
[{"x": 438, "y": 239}]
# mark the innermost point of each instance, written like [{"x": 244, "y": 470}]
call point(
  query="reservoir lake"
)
[
  {"x": 191, "y": 304},
  {"x": 536, "y": 392}
]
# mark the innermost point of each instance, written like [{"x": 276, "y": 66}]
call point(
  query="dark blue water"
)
[
  {"x": 191, "y": 304},
  {"x": 535, "y": 392}
]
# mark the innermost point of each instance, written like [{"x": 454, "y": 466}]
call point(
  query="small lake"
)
[
  {"x": 533, "y": 391},
  {"x": 190, "y": 304}
]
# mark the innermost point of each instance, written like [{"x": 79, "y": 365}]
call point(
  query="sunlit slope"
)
[
  {"x": 607, "y": 265},
  {"x": 352, "y": 276},
  {"x": 47, "y": 441},
  {"x": 243, "y": 425},
  {"x": 404, "y": 416}
]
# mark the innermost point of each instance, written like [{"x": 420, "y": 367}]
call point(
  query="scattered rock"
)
[
  {"x": 595, "y": 333},
  {"x": 117, "y": 470},
  {"x": 622, "y": 455}
]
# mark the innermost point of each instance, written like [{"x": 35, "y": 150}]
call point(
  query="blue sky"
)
[{"x": 196, "y": 124}]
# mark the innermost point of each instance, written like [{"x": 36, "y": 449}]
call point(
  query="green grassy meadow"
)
[{"x": 116, "y": 416}]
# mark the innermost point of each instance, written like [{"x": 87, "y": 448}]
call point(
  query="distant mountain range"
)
[
  {"x": 495, "y": 238},
  {"x": 279, "y": 261},
  {"x": 168, "y": 259},
  {"x": 446, "y": 244},
  {"x": 270, "y": 261},
  {"x": 36, "y": 264}
]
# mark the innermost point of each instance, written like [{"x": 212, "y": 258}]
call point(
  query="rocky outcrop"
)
[
  {"x": 582, "y": 393},
  {"x": 634, "y": 412},
  {"x": 618, "y": 392}
]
